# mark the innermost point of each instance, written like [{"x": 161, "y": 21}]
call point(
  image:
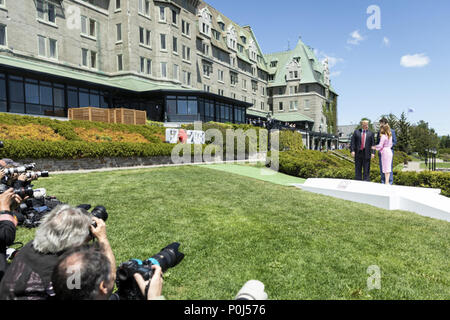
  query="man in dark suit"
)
[
  {"x": 384, "y": 121},
  {"x": 361, "y": 148}
]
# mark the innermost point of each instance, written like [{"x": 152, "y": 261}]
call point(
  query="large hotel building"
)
[{"x": 180, "y": 60}]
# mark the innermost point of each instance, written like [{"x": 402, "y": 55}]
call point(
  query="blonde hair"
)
[{"x": 386, "y": 129}]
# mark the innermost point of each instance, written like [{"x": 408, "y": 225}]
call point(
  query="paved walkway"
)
[
  {"x": 260, "y": 173},
  {"x": 413, "y": 166}
]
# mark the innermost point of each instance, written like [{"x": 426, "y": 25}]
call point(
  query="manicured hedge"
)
[{"x": 315, "y": 164}]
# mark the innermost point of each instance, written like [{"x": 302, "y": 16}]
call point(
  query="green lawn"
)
[
  {"x": 234, "y": 228},
  {"x": 438, "y": 165}
]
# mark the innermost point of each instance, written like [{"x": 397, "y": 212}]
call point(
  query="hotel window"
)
[
  {"x": 240, "y": 48},
  {"x": 162, "y": 14},
  {"x": 233, "y": 78},
  {"x": 2, "y": 35},
  {"x": 144, "y": 7},
  {"x": 119, "y": 32},
  {"x": 149, "y": 66},
  {"x": 148, "y": 41},
  {"x": 92, "y": 27},
  {"x": 41, "y": 46},
  {"x": 280, "y": 106},
  {"x": 254, "y": 86},
  {"x": 175, "y": 44},
  {"x": 94, "y": 59},
  {"x": 306, "y": 104},
  {"x": 163, "y": 42},
  {"x": 84, "y": 57},
  {"x": 176, "y": 72},
  {"x": 186, "y": 78},
  {"x": 206, "y": 88},
  {"x": 244, "y": 84},
  {"x": 117, "y": 4},
  {"x": 119, "y": 62},
  {"x": 174, "y": 17},
  {"x": 186, "y": 53},
  {"x": 53, "y": 49},
  {"x": 84, "y": 25},
  {"x": 185, "y": 28},
  {"x": 46, "y": 11},
  {"x": 2, "y": 3},
  {"x": 141, "y": 35},
  {"x": 262, "y": 105},
  {"x": 222, "y": 26},
  {"x": 164, "y": 69},
  {"x": 293, "y": 105},
  {"x": 142, "y": 68},
  {"x": 220, "y": 92},
  {"x": 216, "y": 34},
  {"x": 220, "y": 75},
  {"x": 207, "y": 69},
  {"x": 205, "y": 49}
]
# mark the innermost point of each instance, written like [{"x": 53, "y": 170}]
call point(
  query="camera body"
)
[{"x": 167, "y": 258}]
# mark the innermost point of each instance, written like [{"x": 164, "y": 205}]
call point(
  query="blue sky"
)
[{"x": 404, "y": 64}]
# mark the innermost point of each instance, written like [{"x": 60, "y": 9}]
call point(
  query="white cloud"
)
[
  {"x": 386, "y": 41},
  {"x": 418, "y": 60},
  {"x": 335, "y": 74},
  {"x": 355, "y": 38}
]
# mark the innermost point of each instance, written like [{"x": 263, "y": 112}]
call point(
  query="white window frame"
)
[
  {"x": 163, "y": 74},
  {"x": 50, "y": 48},
  {"x": 44, "y": 42},
  {"x": 176, "y": 72},
  {"x": 119, "y": 60},
  {"x": 161, "y": 42},
  {"x": 5, "y": 28},
  {"x": 118, "y": 32},
  {"x": 162, "y": 14}
]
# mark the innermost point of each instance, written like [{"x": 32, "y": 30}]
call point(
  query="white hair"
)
[{"x": 62, "y": 228}]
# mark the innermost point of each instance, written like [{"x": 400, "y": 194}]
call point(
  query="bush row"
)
[{"x": 314, "y": 164}]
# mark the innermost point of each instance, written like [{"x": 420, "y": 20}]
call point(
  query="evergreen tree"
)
[{"x": 403, "y": 134}]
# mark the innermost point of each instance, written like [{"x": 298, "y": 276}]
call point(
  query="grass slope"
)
[{"x": 233, "y": 229}]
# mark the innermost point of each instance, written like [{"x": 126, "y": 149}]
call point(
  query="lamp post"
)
[
  {"x": 320, "y": 143},
  {"x": 307, "y": 136}
]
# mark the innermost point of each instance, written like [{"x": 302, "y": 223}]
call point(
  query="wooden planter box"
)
[{"x": 120, "y": 115}]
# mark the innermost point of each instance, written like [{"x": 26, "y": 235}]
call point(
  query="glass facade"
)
[
  {"x": 188, "y": 108},
  {"x": 20, "y": 93},
  {"x": 34, "y": 96}
]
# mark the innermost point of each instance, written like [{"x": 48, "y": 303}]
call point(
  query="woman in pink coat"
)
[{"x": 384, "y": 147}]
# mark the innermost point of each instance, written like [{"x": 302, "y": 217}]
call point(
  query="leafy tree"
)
[{"x": 423, "y": 138}]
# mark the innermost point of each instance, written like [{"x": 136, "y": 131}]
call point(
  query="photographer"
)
[
  {"x": 29, "y": 275},
  {"x": 88, "y": 273},
  {"x": 8, "y": 223}
]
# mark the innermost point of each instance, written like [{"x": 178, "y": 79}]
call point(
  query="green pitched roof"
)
[
  {"x": 245, "y": 31},
  {"x": 127, "y": 82},
  {"x": 311, "y": 68}
]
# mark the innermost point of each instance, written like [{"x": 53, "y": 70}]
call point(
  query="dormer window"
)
[
  {"x": 244, "y": 39},
  {"x": 253, "y": 51},
  {"x": 222, "y": 26},
  {"x": 231, "y": 38},
  {"x": 273, "y": 64},
  {"x": 293, "y": 70},
  {"x": 205, "y": 21}
]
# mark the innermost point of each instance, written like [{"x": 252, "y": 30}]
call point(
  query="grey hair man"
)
[{"x": 29, "y": 275}]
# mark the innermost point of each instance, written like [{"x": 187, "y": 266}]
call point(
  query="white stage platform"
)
[{"x": 424, "y": 201}]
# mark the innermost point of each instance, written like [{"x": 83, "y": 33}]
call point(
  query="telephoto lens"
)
[
  {"x": 38, "y": 174},
  {"x": 252, "y": 290},
  {"x": 168, "y": 257}
]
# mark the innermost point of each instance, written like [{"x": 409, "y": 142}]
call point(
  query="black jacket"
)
[
  {"x": 7, "y": 236},
  {"x": 355, "y": 144},
  {"x": 29, "y": 275}
]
